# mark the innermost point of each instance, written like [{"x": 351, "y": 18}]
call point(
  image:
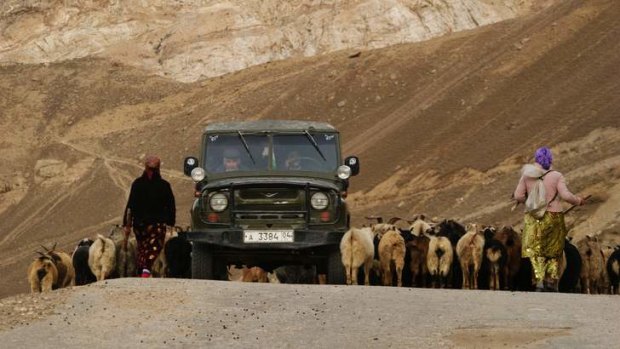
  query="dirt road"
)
[{"x": 128, "y": 313}]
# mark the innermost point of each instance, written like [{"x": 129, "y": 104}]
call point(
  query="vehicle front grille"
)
[{"x": 269, "y": 205}]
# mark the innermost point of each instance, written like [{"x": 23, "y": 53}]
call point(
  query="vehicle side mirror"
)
[
  {"x": 189, "y": 164},
  {"x": 354, "y": 163}
]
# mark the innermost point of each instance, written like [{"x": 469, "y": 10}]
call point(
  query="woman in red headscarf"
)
[{"x": 150, "y": 208}]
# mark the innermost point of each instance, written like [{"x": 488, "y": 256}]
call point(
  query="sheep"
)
[
  {"x": 126, "y": 247},
  {"x": 42, "y": 274},
  {"x": 418, "y": 251},
  {"x": 356, "y": 250},
  {"x": 512, "y": 242},
  {"x": 64, "y": 265},
  {"x": 592, "y": 263},
  {"x": 391, "y": 255},
  {"x": 83, "y": 274},
  {"x": 102, "y": 257},
  {"x": 469, "y": 250},
  {"x": 439, "y": 260},
  {"x": 613, "y": 270}
]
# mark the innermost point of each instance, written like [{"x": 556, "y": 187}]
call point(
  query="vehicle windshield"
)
[{"x": 312, "y": 151}]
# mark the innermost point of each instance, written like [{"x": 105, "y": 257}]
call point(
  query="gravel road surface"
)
[{"x": 148, "y": 313}]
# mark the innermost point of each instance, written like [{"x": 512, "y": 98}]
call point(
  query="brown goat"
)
[
  {"x": 42, "y": 274},
  {"x": 64, "y": 266},
  {"x": 591, "y": 264},
  {"x": 418, "y": 252},
  {"x": 254, "y": 274},
  {"x": 469, "y": 249},
  {"x": 512, "y": 242}
]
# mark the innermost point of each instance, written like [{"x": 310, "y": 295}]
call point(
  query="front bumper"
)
[{"x": 233, "y": 239}]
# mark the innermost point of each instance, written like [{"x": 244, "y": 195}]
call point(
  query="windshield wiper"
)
[
  {"x": 245, "y": 145},
  {"x": 315, "y": 144}
]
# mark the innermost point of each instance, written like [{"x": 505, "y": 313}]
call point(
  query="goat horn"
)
[
  {"x": 394, "y": 220},
  {"x": 45, "y": 248},
  {"x": 379, "y": 219}
]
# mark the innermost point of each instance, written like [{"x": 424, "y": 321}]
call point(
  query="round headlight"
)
[
  {"x": 344, "y": 172},
  {"x": 319, "y": 201},
  {"x": 218, "y": 202},
  {"x": 198, "y": 174}
]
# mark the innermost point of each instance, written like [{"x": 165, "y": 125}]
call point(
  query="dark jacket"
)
[{"x": 151, "y": 201}]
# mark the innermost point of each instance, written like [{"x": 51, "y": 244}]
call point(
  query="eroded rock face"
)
[
  {"x": 191, "y": 40},
  {"x": 48, "y": 168}
]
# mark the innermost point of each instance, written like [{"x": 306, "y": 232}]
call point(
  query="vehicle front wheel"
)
[
  {"x": 335, "y": 270},
  {"x": 202, "y": 262}
]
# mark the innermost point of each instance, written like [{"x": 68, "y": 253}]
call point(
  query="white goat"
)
[
  {"x": 102, "y": 257},
  {"x": 439, "y": 259},
  {"x": 357, "y": 249}
]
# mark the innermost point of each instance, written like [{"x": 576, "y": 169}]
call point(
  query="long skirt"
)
[
  {"x": 543, "y": 243},
  {"x": 150, "y": 243}
]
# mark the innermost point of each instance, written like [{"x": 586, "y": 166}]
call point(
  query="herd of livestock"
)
[
  {"x": 420, "y": 254},
  {"x": 450, "y": 255}
]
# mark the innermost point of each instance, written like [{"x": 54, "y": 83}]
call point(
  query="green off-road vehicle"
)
[{"x": 269, "y": 193}]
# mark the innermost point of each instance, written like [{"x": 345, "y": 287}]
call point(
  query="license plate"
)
[{"x": 263, "y": 236}]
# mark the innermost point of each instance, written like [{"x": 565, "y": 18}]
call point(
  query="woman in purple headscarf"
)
[{"x": 541, "y": 189}]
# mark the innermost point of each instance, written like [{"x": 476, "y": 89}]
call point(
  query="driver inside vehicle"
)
[
  {"x": 231, "y": 160},
  {"x": 293, "y": 161}
]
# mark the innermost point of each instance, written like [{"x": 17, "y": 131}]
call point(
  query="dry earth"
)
[
  {"x": 441, "y": 126},
  {"x": 158, "y": 313}
]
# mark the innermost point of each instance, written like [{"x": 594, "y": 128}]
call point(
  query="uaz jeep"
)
[{"x": 269, "y": 193}]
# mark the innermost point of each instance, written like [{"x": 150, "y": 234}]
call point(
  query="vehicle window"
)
[
  {"x": 228, "y": 152},
  {"x": 299, "y": 153}
]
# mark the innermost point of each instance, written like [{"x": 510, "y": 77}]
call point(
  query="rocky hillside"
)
[
  {"x": 192, "y": 40},
  {"x": 441, "y": 126}
]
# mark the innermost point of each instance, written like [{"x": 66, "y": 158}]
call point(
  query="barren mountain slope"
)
[
  {"x": 442, "y": 127},
  {"x": 190, "y": 40}
]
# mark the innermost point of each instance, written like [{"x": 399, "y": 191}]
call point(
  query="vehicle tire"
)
[
  {"x": 335, "y": 270},
  {"x": 202, "y": 262}
]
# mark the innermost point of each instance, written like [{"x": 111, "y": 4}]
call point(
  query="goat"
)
[
  {"x": 102, "y": 257},
  {"x": 418, "y": 251},
  {"x": 83, "y": 274},
  {"x": 64, "y": 265},
  {"x": 178, "y": 254},
  {"x": 469, "y": 250},
  {"x": 160, "y": 265},
  {"x": 356, "y": 250},
  {"x": 605, "y": 286},
  {"x": 439, "y": 260},
  {"x": 512, "y": 243},
  {"x": 254, "y": 274},
  {"x": 493, "y": 262},
  {"x": 613, "y": 270},
  {"x": 126, "y": 248},
  {"x": 391, "y": 255},
  {"x": 592, "y": 263},
  {"x": 453, "y": 231},
  {"x": 570, "y": 268},
  {"x": 42, "y": 274}
]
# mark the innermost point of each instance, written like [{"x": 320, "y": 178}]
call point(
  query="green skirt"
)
[{"x": 544, "y": 237}]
